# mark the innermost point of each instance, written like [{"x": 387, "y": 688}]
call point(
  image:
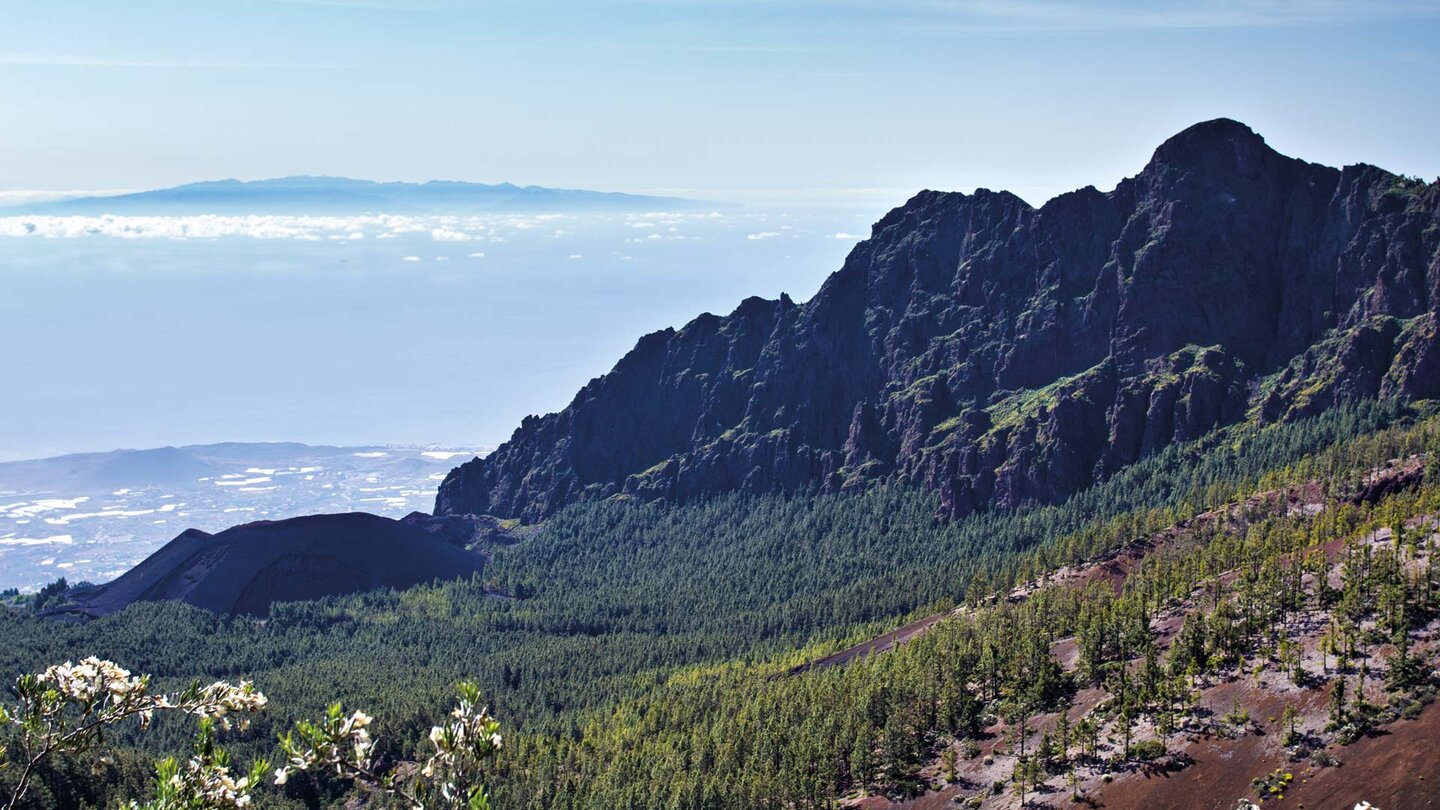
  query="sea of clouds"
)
[
  {"x": 641, "y": 227},
  {"x": 441, "y": 228}
]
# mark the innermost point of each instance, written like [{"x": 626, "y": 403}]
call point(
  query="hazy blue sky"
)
[
  {"x": 1031, "y": 95},
  {"x": 189, "y": 336}
]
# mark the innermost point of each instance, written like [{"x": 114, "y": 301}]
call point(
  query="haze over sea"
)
[{"x": 361, "y": 330}]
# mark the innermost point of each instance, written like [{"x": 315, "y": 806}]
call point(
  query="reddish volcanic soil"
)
[
  {"x": 1397, "y": 767},
  {"x": 1392, "y": 771},
  {"x": 1396, "y": 770}
]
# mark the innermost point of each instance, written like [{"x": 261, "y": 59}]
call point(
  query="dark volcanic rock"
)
[
  {"x": 246, "y": 568},
  {"x": 1000, "y": 354},
  {"x": 478, "y": 532}
]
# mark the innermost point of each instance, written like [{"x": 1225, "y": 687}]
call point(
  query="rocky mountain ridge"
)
[{"x": 1001, "y": 354}]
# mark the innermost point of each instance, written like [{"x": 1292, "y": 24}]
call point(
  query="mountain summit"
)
[{"x": 1000, "y": 354}]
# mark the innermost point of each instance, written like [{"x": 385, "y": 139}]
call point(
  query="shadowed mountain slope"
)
[
  {"x": 246, "y": 568},
  {"x": 1000, "y": 354}
]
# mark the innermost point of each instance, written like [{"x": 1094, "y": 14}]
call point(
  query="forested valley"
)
[{"x": 653, "y": 655}]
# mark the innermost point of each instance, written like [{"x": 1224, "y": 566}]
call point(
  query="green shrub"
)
[{"x": 1148, "y": 750}]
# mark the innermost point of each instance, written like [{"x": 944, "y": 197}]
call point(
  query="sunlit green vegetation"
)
[{"x": 641, "y": 660}]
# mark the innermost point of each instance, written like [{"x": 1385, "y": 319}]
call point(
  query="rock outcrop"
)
[{"x": 1001, "y": 354}]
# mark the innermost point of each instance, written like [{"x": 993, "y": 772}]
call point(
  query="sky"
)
[
  {"x": 782, "y": 99},
  {"x": 816, "y": 116}
]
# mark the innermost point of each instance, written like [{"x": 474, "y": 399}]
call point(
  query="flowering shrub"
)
[
  {"x": 68, "y": 709},
  {"x": 1272, "y": 785},
  {"x": 449, "y": 779},
  {"x": 204, "y": 782}
]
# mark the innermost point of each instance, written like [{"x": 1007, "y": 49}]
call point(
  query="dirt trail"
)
[
  {"x": 879, "y": 644},
  {"x": 1114, "y": 568}
]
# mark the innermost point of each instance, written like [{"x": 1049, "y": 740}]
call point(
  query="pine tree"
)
[{"x": 1337, "y": 703}]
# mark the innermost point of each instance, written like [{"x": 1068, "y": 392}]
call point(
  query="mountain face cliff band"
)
[{"x": 1001, "y": 354}]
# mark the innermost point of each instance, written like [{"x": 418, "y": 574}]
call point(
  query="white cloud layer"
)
[
  {"x": 439, "y": 228},
  {"x": 54, "y": 540}
]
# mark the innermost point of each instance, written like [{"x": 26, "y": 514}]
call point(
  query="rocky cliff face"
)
[{"x": 1001, "y": 354}]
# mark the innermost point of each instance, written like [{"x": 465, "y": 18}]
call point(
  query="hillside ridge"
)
[
  {"x": 246, "y": 568},
  {"x": 1263, "y": 727},
  {"x": 1001, "y": 354}
]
